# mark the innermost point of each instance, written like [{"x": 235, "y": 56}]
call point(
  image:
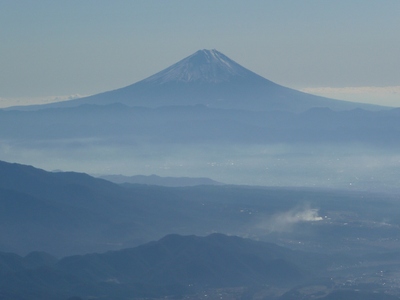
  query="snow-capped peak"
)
[{"x": 202, "y": 66}]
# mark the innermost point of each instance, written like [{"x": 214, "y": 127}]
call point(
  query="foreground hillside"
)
[
  {"x": 174, "y": 265},
  {"x": 187, "y": 267}
]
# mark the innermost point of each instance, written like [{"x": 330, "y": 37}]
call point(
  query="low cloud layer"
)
[
  {"x": 388, "y": 96},
  {"x": 22, "y": 101}
]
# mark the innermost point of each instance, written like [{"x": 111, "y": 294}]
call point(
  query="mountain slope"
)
[
  {"x": 67, "y": 213},
  {"x": 210, "y": 78}
]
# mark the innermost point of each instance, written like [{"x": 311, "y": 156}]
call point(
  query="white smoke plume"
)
[{"x": 284, "y": 221}]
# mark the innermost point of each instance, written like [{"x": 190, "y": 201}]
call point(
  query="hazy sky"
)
[{"x": 62, "y": 48}]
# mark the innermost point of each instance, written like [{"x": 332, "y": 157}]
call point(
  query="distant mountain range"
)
[
  {"x": 210, "y": 78},
  {"x": 118, "y": 124}
]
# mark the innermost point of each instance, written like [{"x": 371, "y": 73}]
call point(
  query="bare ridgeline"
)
[{"x": 316, "y": 215}]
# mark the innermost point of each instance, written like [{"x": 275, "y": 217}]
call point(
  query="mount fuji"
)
[{"x": 210, "y": 78}]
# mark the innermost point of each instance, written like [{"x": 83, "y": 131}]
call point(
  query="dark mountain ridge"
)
[
  {"x": 121, "y": 124},
  {"x": 189, "y": 266},
  {"x": 214, "y": 260},
  {"x": 173, "y": 265},
  {"x": 68, "y": 212}
]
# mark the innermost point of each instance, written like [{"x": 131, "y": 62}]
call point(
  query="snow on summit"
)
[{"x": 203, "y": 66}]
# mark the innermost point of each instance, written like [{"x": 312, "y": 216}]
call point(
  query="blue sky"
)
[{"x": 344, "y": 49}]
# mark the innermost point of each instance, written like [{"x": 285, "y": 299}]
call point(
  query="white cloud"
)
[
  {"x": 22, "y": 101},
  {"x": 389, "y": 95}
]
